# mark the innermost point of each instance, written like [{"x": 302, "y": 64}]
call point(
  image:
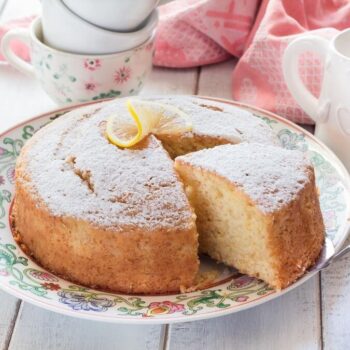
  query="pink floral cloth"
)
[{"x": 198, "y": 32}]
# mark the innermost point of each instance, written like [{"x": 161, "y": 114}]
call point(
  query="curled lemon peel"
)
[{"x": 152, "y": 117}]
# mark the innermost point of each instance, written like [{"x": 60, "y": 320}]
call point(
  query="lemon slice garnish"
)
[{"x": 146, "y": 117}]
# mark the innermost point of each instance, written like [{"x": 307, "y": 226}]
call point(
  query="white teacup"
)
[
  {"x": 117, "y": 15},
  {"x": 331, "y": 111},
  {"x": 66, "y": 31},
  {"x": 70, "y": 78}
]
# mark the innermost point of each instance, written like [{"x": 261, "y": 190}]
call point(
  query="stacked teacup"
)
[{"x": 87, "y": 50}]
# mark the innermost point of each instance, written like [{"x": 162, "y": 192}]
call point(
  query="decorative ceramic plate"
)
[{"x": 230, "y": 291}]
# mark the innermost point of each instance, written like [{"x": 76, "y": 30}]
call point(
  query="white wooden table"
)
[{"x": 313, "y": 316}]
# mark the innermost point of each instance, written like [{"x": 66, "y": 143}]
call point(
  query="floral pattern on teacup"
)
[
  {"x": 72, "y": 78},
  {"x": 91, "y": 85},
  {"x": 122, "y": 75},
  {"x": 92, "y": 64}
]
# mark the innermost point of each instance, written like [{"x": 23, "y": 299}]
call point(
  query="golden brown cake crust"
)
[
  {"x": 303, "y": 234},
  {"x": 134, "y": 261}
]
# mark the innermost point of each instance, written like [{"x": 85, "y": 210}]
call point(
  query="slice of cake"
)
[{"x": 257, "y": 209}]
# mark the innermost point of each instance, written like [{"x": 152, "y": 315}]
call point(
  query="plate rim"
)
[{"x": 345, "y": 177}]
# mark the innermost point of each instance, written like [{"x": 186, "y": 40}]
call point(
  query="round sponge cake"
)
[{"x": 119, "y": 219}]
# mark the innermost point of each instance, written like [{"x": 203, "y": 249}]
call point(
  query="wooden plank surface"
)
[
  {"x": 336, "y": 304},
  {"x": 37, "y": 329},
  {"x": 8, "y": 312},
  {"x": 171, "y": 81},
  {"x": 289, "y": 322},
  {"x": 216, "y": 80}
]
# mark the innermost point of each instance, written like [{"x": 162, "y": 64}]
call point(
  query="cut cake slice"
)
[{"x": 257, "y": 209}]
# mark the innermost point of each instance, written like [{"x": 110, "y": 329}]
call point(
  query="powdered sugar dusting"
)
[
  {"x": 271, "y": 176},
  {"x": 211, "y": 118},
  {"x": 131, "y": 188},
  {"x": 77, "y": 172}
]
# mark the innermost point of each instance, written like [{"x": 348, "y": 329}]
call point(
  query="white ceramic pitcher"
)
[{"x": 331, "y": 111}]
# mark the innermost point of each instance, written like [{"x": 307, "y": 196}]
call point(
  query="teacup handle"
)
[
  {"x": 20, "y": 64},
  {"x": 307, "y": 101}
]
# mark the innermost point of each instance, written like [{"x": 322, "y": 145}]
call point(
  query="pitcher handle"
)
[{"x": 307, "y": 101}]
